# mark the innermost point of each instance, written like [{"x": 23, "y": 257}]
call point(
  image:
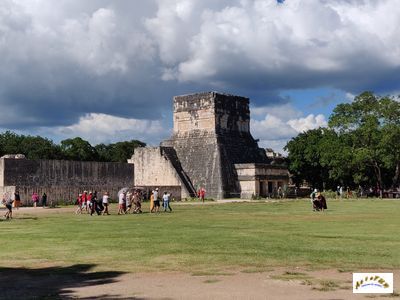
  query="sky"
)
[{"x": 106, "y": 70}]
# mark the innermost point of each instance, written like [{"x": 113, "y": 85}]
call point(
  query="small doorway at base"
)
[
  {"x": 263, "y": 189},
  {"x": 270, "y": 187}
]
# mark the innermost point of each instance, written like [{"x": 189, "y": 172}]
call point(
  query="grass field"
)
[{"x": 209, "y": 238}]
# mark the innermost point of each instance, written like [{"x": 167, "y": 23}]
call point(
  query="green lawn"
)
[{"x": 210, "y": 238}]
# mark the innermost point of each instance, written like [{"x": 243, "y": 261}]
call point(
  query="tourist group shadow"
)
[{"x": 54, "y": 282}]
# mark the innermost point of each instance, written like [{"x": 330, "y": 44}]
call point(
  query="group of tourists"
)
[
  {"x": 155, "y": 201},
  {"x": 128, "y": 198},
  {"x": 88, "y": 202}
]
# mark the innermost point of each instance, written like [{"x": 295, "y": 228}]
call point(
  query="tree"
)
[
  {"x": 78, "y": 149},
  {"x": 118, "y": 152},
  {"x": 10, "y": 143},
  {"x": 33, "y": 147},
  {"x": 372, "y": 122},
  {"x": 305, "y": 158},
  {"x": 360, "y": 146}
]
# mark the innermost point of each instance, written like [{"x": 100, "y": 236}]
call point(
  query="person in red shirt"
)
[
  {"x": 202, "y": 194},
  {"x": 79, "y": 202},
  {"x": 84, "y": 201}
]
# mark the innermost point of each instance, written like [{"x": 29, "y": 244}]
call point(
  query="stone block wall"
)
[
  {"x": 63, "y": 180},
  {"x": 212, "y": 113},
  {"x": 211, "y": 134},
  {"x": 154, "y": 169}
]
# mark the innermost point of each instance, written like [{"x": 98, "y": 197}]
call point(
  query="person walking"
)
[
  {"x": 79, "y": 202},
  {"x": 152, "y": 202},
  {"x": 35, "y": 199},
  {"x": 128, "y": 202},
  {"x": 8, "y": 201},
  {"x": 166, "y": 199},
  {"x": 137, "y": 201},
  {"x": 17, "y": 200},
  {"x": 156, "y": 201},
  {"x": 105, "y": 201},
  {"x": 84, "y": 201},
  {"x": 44, "y": 200},
  {"x": 202, "y": 194},
  {"x": 121, "y": 203}
]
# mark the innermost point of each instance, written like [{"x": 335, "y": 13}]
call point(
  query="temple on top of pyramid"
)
[{"x": 212, "y": 148}]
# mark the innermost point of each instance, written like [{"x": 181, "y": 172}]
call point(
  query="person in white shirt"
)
[
  {"x": 166, "y": 199},
  {"x": 121, "y": 203},
  {"x": 106, "y": 199},
  {"x": 156, "y": 200}
]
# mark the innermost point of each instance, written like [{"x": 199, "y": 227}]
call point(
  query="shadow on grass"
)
[{"x": 54, "y": 282}]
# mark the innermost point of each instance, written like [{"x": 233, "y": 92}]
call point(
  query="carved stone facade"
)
[{"x": 211, "y": 138}]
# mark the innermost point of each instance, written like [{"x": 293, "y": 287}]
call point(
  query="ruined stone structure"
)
[
  {"x": 62, "y": 180},
  {"x": 211, "y": 147}
]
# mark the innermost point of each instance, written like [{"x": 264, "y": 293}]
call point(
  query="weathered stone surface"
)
[
  {"x": 211, "y": 134},
  {"x": 63, "y": 180},
  {"x": 154, "y": 167},
  {"x": 211, "y": 138}
]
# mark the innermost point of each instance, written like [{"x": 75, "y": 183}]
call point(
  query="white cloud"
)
[
  {"x": 276, "y": 128},
  {"x": 102, "y": 128},
  {"x": 128, "y": 58},
  {"x": 297, "y": 39},
  {"x": 307, "y": 123}
]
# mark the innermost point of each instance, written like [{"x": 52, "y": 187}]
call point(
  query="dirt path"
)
[{"x": 276, "y": 284}]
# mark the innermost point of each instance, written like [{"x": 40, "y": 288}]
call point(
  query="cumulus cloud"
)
[
  {"x": 62, "y": 60},
  {"x": 102, "y": 128},
  {"x": 265, "y": 44},
  {"x": 276, "y": 128}
]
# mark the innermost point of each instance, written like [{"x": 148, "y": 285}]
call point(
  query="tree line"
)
[
  {"x": 360, "y": 146},
  {"x": 37, "y": 147}
]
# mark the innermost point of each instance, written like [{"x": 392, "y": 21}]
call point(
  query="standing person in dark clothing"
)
[
  {"x": 44, "y": 200},
  {"x": 17, "y": 200}
]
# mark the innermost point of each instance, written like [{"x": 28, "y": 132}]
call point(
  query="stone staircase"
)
[{"x": 170, "y": 154}]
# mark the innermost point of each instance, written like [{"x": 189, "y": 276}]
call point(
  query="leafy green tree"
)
[
  {"x": 36, "y": 147},
  {"x": 360, "y": 147},
  {"x": 305, "y": 158},
  {"x": 33, "y": 147},
  {"x": 118, "y": 152},
  {"x": 372, "y": 122},
  {"x": 103, "y": 152},
  {"x": 78, "y": 149},
  {"x": 10, "y": 143}
]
